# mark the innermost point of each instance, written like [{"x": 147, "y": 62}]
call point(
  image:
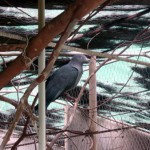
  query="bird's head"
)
[{"x": 80, "y": 58}]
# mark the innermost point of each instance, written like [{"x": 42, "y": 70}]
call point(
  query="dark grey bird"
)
[{"x": 65, "y": 78}]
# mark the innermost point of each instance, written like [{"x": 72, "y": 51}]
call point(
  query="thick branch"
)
[{"x": 45, "y": 36}]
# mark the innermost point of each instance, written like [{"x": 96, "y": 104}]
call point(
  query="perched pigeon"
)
[{"x": 65, "y": 78}]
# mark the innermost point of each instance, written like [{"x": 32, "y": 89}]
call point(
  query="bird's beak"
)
[{"x": 87, "y": 60}]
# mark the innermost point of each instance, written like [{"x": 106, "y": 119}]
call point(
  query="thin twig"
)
[{"x": 25, "y": 127}]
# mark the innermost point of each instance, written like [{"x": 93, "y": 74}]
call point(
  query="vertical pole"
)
[
  {"x": 93, "y": 101},
  {"x": 65, "y": 122},
  {"x": 41, "y": 66}
]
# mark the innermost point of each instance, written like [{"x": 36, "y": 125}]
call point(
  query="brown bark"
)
[{"x": 45, "y": 36}]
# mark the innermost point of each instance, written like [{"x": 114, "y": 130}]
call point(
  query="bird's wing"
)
[{"x": 62, "y": 80}]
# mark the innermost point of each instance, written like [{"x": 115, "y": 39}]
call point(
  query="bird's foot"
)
[{"x": 69, "y": 98}]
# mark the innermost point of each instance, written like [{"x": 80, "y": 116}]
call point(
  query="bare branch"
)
[{"x": 8, "y": 100}]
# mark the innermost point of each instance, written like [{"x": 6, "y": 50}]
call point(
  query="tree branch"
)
[
  {"x": 8, "y": 100},
  {"x": 45, "y": 36}
]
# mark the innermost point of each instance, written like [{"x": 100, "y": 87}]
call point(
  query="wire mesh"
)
[{"x": 122, "y": 97}]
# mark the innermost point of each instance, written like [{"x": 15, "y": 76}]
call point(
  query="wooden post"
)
[{"x": 93, "y": 101}]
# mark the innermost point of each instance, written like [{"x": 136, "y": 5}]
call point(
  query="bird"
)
[{"x": 64, "y": 79}]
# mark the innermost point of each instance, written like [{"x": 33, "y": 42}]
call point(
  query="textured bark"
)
[{"x": 45, "y": 36}]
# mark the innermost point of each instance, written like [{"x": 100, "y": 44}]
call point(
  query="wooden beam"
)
[{"x": 93, "y": 102}]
